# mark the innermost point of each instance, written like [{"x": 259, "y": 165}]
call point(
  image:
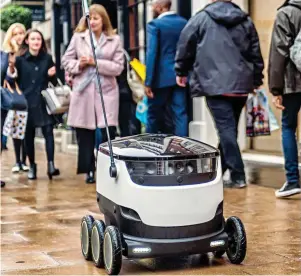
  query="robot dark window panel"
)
[{"x": 160, "y": 146}]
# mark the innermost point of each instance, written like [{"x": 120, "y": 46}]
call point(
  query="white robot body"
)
[
  {"x": 168, "y": 206},
  {"x": 167, "y": 200}
]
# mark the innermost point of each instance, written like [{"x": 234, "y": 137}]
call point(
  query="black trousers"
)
[
  {"x": 20, "y": 151},
  {"x": 226, "y": 113},
  {"x": 29, "y": 142},
  {"x": 128, "y": 123},
  {"x": 86, "y": 145}
]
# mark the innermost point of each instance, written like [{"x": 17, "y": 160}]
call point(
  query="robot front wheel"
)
[
  {"x": 237, "y": 241},
  {"x": 102, "y": 245}
]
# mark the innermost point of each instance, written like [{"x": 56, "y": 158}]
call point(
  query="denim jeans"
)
[
  {"x": 175, "y": 97},
  {"x": 4, "y": 141},
  {"x": 292, "y": 104},
  {"x": 226, "y": 113},
  {"x": 98, "y": 138}
]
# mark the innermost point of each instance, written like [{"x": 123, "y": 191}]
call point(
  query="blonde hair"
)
[
  {"x": 106, "y": 22},
  {"x": 8, "y": 46}
]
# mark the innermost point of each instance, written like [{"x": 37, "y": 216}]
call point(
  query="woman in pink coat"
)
[{"x": 85, "y": 112}]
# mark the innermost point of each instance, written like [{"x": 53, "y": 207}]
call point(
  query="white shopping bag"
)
[{"x": 15, "y": 124}]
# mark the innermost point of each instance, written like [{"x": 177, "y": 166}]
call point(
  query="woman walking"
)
[
  {"x": 13, "y": 40},
  {"x": 85, "y": 112},
  {"x": 33, "y": 69}
]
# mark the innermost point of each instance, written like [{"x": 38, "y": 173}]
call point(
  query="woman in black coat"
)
[{"x": 33, "y": 69}]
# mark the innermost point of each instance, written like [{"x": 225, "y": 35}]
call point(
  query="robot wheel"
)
[
  {"x": 237, "y": 241},
  {"x": 85, "y": 236},
  {"x": 101, "y": 244}
]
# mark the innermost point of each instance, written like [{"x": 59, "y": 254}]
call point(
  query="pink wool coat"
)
[{"x": 85, "y": 107}]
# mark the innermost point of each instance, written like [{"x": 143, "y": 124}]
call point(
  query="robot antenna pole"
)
[{"x": 113, "y": 168}]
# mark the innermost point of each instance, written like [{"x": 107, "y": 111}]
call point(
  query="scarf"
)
[{"x": 90, "y": 73}]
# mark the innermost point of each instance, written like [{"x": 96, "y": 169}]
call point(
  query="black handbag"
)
[{"x": 12, "y": 99}]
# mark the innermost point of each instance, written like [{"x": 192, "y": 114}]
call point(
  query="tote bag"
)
[{"x": 12, "y": 99}]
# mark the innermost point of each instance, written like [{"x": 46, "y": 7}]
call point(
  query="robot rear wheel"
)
[
  {"x": 237, "y": 240},
  {"x": 85, "y": 236},
  {"x": 97, "y": 237}
]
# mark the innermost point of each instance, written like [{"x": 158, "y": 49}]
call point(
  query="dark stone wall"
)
[{"x": 111, "y": 7}]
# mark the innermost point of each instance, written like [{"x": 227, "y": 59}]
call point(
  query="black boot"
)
[
  {"x": 90, "y": 178},
  {"x": 52, "y": 171},
  {"x": 32, "y": 174},
  {"x": 2, "y": 184}
]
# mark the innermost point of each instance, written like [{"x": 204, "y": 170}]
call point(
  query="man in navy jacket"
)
[{"x": 161, "y": 87}]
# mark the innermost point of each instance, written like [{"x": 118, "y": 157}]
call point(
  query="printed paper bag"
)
[
  {"x": 15, "y": 124},
  {"x": 258, "y": 115}
]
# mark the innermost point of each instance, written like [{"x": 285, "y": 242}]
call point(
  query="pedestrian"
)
[
  {"x": 13, "y": 40},
  {"x": 85, "y": 112},
  {"x": 285, "y": 86},
  {"x": 220, "y": 48},
  {"x": 161, "y": 87},
  {"x": 128, "y": 123},
  {"x": 33, "y": 69}
]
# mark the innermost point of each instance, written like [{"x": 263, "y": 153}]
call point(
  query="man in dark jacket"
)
[
  {"x": 285, "y": 85},
  {"x": 220, "y": 46},
  {"x": 161, "y": 87}
]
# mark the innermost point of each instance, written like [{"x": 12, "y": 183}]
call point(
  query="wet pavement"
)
[{"x": 40, "y": 226}]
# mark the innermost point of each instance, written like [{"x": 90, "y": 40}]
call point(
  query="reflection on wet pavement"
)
[
  {"x": 40, "y": 227},
  {"x": 272, "y": 177}
]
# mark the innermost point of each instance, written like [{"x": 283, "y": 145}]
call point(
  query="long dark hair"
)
[{"x": 24, "y": 47}]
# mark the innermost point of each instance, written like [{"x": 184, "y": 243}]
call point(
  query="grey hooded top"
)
[
  {"x": 219, "y": 48},
  {"x": 284, "y": 77}
]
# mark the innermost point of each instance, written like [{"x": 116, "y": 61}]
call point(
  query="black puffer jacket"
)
[
  {"x": 221, "y": 47},
  {"x": 284, "y": 77}
]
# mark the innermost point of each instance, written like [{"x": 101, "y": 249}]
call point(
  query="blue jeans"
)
[
  {"x": 4, "y": 141},
  {"x": 175, "y": 97},
  {"x": 226, "y": 113},
  {"x": 292, "y": 104},
  {"x": 98, "y": 138}
]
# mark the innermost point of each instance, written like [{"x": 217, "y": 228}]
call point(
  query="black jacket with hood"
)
[
  {"x": 220, "y": 46},
  {"x": 284, "y": 77}
]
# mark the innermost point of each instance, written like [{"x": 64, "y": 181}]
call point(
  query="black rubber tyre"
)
[
  {"x": 112, "y": 250},
  {"x": 237, "y": 240},
  {"x": 219, "y": 254},
  {"x": 85, "y": 236},
  {"x": 97, "y": 236}
]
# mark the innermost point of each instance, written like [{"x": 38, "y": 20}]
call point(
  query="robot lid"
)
[{"x": 158, "y": 147}]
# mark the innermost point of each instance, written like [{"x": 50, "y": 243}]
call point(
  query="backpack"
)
[{"x": 295, "y": 52}]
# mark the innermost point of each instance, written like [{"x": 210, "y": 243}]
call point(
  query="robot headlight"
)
[{"x": 177, "y": 167}]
